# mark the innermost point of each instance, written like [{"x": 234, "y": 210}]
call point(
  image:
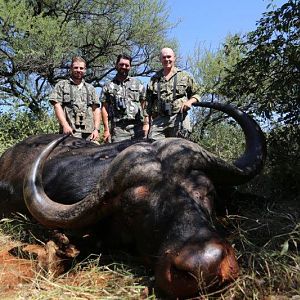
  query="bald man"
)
[{"x": 170, "y": 94}]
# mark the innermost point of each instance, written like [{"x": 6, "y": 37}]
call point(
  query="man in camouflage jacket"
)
[
  {"x": 122, "y": 101},
  {"x": 75, "y": 104},
  {"x": 170, "y": 94}
]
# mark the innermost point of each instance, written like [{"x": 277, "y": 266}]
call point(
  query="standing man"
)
[
  {"x": 75, "y": 104},
  {"x": 170, "y": 94},
  {"x": 122, "y": 102}
]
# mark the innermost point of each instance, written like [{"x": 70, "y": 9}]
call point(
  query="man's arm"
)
[
  {"x": 96, "y": 119},
  {"x": 104, "y": 113},
  {"x": 56, "y": 99},
  {"x": 147, "y": 107},
  {"x": 194, "y": 92},
  {"x": 188, "y": 104},
  {"x": 60, "y": 115},
  {"x": 146, "y": 119},
  {"x": 142, "y": 98}
]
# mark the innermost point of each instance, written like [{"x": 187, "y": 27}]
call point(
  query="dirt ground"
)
[
  {"x": 21, "y": 264},
  {"x": 27, "y": 270},
  {"x": 14, "y": 271}
]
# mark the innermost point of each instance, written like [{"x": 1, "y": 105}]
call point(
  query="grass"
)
[
  {"x": 267, "y": 239},
  {"x": 94, "y": 282},
  {"x": 94, "y": 277},
  {"x": 266, "y": 236}
]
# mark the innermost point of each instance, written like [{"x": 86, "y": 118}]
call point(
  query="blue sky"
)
[{"x": 208, "y": 22}]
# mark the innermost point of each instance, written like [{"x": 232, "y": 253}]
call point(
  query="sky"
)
[{"x": 208, "y": 22}]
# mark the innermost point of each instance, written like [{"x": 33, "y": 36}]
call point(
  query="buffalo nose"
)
[
  {"x": 195, "y": 268},
  {"x": 215, "y": 260},
  {"x": 202, "y": 262},
  {"x": 211, "y": 257}
]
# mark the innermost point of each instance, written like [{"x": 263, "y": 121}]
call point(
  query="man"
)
[
  {"x": 122, "y": 102},
  {"x": 75, "y": 104},
  {"x": 170, "y": 94}
]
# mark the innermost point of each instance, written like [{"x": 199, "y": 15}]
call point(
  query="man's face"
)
[
  {"x": 167, "y": 58},
  {"x": 78, "y": 70},
  {"x": 123, "y": 67}
]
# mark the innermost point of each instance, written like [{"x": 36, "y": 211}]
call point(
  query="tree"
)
[
  {"x": 39, "y": 37},
  {"x": 269, "y": 77},
  {"x": 16, "y": 126},
  {"x": 209, "y": 69},
  {"x": 263, "y": 80},
  {"x": 269, "y": 74}
]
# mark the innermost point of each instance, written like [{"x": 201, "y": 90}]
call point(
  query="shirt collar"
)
[
  {"x": 173, "y": 72},
  {"x": 128, "y": 78},
  {"x": 80, "y": 85}
]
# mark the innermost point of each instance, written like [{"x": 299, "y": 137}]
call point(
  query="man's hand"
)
[
  {"x": 187, "y": 104},
  {"x": 145, "y": 129},
  {"x": 106, "y": 135},
  {"x": 67, "y": 129},
  {"x": 60, "y": 115},
  {"x": 95, "y": 135}
]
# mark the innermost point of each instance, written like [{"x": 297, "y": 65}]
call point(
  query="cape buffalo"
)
[{"x": 156, "y": 196}]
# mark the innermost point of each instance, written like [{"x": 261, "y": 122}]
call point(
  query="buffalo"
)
[{"x": 153, "y": 197}]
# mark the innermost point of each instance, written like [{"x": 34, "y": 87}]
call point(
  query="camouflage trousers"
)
[
  {"x": 170, "y": 126},
  {"x": 124, "y": 131}
]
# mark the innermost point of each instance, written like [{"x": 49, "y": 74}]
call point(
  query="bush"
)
[
  {"x": 284, "y": 161},
  {"x": 15, "y": 127},
  {"x": 223, "y": 139}
]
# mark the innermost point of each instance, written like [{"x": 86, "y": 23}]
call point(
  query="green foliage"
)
[
  {"x": 269, "y": 74},
  {"x": 30, "y": 38},
  {"x": 14, "y": 127},
  {"x": 210, "y": 67},
  {"x": 223, "y": 139},
  {"x": 261, "y": 74},
  {"x": 38, "y": 39},
  {"x": 284, "y": 161}
]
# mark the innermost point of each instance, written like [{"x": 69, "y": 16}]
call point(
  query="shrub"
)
[{"x": 14, "y": 127}]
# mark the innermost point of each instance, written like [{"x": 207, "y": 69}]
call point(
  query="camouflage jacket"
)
[
  {"x": 124, "y": 99},
  {"x": 76, "y": 101},
  {"x": 185, "y": 89}
]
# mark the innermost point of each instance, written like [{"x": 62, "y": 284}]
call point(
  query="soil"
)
[{"x": 20, "y": 265}]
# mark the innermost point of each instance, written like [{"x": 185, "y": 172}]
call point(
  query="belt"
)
[
  {"x": 126, "y": 122},
  {"x": 162, "y": 114}
]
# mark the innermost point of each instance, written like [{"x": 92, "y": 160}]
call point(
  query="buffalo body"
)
[{"x": 156, "y": 197}]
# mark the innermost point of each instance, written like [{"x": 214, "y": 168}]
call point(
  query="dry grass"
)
[
  {"x": 90, "y": 278},
  {"x": 266, "y": 236},
  {"x": 93, "y": 283}
]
